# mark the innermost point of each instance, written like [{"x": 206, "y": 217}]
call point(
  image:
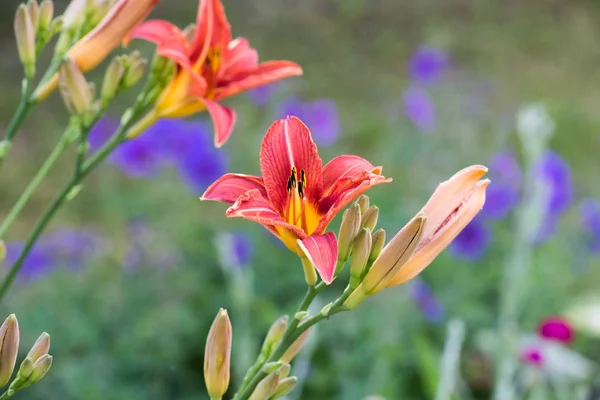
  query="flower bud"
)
[
  {"x": 135, "y": 73},
  {"x": 40, "y": 348},
  {"x": 363, "y": 202},
  {"x": 74, "y": 15},
  {"x": 291, "y": 352},
  {"x": 265, "y": 388},
  {"x": 112, "y": 79},
  {"x": 348, "y": 230},
  {"x": 284, "y": 387},
  {"x": 34, "y": 12},
  {"x": 360, "y": 256},
  {"x": 25, "y": 35},
  {"x": 285, "y": 370},
  {"x": 46, "y": 16},
  {"x": 31, "y": 373},
  {"x": 326, "y": 309},
  {"x": 9, "y": 347},
  {"x": 310, "y": 275},
  {"x": 300, "y": 315},
  {"x": 272, "y": 367},
  {"x": 2, "y": 251},
  {"x": 377, "y": 245},
  {"x": 274, "y": 335},
  {"x": 369, "y": 218},
  {"x": 77, "y": 93},
  {"x": 217, "y": 355}
]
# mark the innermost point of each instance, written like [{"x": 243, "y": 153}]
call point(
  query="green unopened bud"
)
[
  {"x": 46, "y": 16},
  {"x": 377, "y": 245},
  {"x": 74, "y": 15},
  {"x": 31, "y": 373},
  {"x": 217, "y": 356},
  {"x": 265, "y": 388},
  {"x": 325, "y": 310},
  {"x": 112, "y": 79},
  {"x": 34, "y": 12},
  {"x": 284, "y": 387},
  {"x": 291, "y": 352},
  {"x": 9, "y": 347},
  {"x": 300, "y": 315},
  {"x": 25, "y": 35},
  {"x": 96, "y": 10},
  {"x": 135, "y": 73},
  {"x": 348, "y": 230},
  {"x": 274, "y": 335},
  {"x": 285, "y": 370},
  {"x": 77, "y": 94},
  {"x": 40, "y": 348},
  {"x": 26, "y": 369},
  {"x": 2, "y": 251},
  {"x": 272, "y": 366},
  {"x": 363, "y": 202},
  {"x": 369, "y": 218},
  {"x": 360, "y": 257}
]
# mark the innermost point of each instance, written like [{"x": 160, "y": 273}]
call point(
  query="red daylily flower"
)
[
  {"x": 210, "y": 67},
  {"x": 297, "y": 197}
]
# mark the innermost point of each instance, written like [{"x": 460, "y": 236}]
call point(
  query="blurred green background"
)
[{"x": 124, "y": 329}]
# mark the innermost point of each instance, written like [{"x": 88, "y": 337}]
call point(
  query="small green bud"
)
[
  {"x": 360, "y": 256},
  {"x": 274, "y": 335},
  {"x": 378, "y": 243},
  {"x": 2, "y": 251},
  {"x": 363, "y": 202},
  {"x": 9, "y": 347},
  {"x": 46, "y": 16},
  {"x": 25, "y": 35},
  {"x": 25, "y": 369},
  {"x": 300, "y": 315},
  {"x": 265, "y": 388},
  {"x": 75, "y": 190},
  {"x": 31, "y": 373},
  {"x": 369, "y": 218},
  {"x": 135, "y": 73},
  {"x": 325, "y": 310},
  {"x": 272, "y": 366},
  {"x": 112, "y": 79},
  {"x": 284, "y": 387},
  {"x": 77, "y": 94},
  {"x": 310, "y": 274},
  {"x": 285, "y": 370},
  {"x": 348, "y": 230}
]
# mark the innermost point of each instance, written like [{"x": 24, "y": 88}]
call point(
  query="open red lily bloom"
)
[
  {"x": 297, "y": 197},
  {"x": 210, "y": 67}
]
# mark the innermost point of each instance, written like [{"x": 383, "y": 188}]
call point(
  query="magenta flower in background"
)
[
  {"x": 321, "y": 116},
  {"x": 504, "y": 194},
  {"x": 556, "y": 329},
  {"x": 554, "y": 173},
  {"x": 472, "y": 243},
  {"x": 428, "y": 65},
  {"x": 532, "y": 356},
  {"x": 419, "y": 108},
  {"x": 589, "y": 210},
  {"x": 424, "y": 298}
]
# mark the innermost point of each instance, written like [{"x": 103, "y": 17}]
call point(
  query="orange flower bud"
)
[{"x": 217, "y": 355}]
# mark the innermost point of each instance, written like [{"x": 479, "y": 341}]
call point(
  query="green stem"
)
[
  {"x": 5, "y": 396},
  {"x": 17, "y": 119},
  {"x": 292, "y": 333},
  {"x": 60, "y": 198},
  {"x": 60, "y": 148}
]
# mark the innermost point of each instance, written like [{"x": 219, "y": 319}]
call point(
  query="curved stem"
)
[
  {"x": 19, "y": 116},
  {"x": 60, "y": 148}
]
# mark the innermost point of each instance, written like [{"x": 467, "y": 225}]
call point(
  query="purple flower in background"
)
[
  {"x": 419, "y": 108},
  {"x": 427, "y": 65},
  {"x": 39, "y": 262},
  {"x": 423, "y": 296},
  {"x": 556, "y": 329},
  {"x": 74, "y": 247},
  {"x": 553, "y": 172},
  {"x": 262, "y": 95},
  {"x": 235, "y": 250},
  {"x": 321, "y": 117},
  {"x": 504, "y": 194},
  {"x": 472, "y": 242},
  {"x": 589, "y": 210}
]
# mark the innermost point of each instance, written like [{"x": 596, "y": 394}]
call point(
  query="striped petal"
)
[
  {"x": 286, "y": 145},
  {"x": 223, "y": 120},
  {"x": 231, "y": 186},
  {"x": 322, "y": 252}
]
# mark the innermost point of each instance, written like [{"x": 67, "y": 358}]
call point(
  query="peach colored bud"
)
[
  {"x": 9, "y": 347},
  {"x": 25, "y": 35},
  {"x": 284, "y": 387},
  {"x": 348, "y": 230},
  {"x": 40, "y": 348},
  {"x": 77, "y": 93},
  {"x": 266, "y": 387},
  {"x": 377, "y": 246},
  {"x": 291, "y": 352},
  {"x": 274, "y": 335},
  {"x": 46, "y": 15},
  {"x": 451, "y": 207},
  {"x": 369, "y": 218},
  {"x": 363, "y": 203},
  {"x": 217, "y": 355},
  {"x": 360, "y": 256}
]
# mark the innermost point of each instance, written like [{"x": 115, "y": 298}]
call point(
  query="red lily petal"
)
[
  {"x": 254, "y": 207},
  {"x": 344, "y": 191},
  {"x": 262, "y": 74},
  {"x": 231, "y": 186},
  {"x": 288, "y": 144},
  {"x": 238, "y": 58},
  {"x": 171, "y": 42},
  {"x": 322, "y": 251},
  {"x": 223, "y": 120},
  {"x": 345, "y": 166},
  {"x": 213, "y": 29}
]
